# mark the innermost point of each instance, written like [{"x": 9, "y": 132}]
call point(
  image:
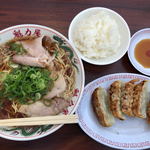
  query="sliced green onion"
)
[{"x": 26, "y": 84}]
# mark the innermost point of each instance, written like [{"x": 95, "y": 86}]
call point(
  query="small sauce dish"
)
[{"x": 139, "y": 51}]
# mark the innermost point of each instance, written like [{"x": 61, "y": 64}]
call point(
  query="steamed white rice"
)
[{"x": 97, "y": 36}]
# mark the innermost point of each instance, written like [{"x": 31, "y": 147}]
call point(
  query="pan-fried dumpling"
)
[
  {"x": 140, "y": 99},
  {"x": 127, "y": 97},
  {"x": 100, "y": 101},
  {"x": 115, "y": 99},
  {"x": 148, "y": 112}
]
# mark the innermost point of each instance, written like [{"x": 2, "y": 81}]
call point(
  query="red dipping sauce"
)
[{"x": 142, "y": 53}]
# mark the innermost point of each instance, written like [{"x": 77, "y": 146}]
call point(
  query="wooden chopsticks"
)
[{"x": 44, "y": 120}]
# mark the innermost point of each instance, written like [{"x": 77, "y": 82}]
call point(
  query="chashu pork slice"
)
[
  {"x": 36, "y": 54},
  {"x": 27, "y": 60},
  {"x": 127, "y": 97},
  {"x": 100, "y": 102},
  {"x": 59, "y": 87},
  {"x": 38, "y": 108},
  {"x": 140, "y": 99},
  {"x": 34, "y": 47},
  {"x": 115, "y": 92}
]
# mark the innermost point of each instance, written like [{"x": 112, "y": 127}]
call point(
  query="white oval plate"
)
[
  {"x": 136, "y": 38},
  {"x": 133, "y": 133}
]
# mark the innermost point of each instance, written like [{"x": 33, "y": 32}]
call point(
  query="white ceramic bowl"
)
[
  {"x": 32, "y": 133},
  {"x": 123, "y": 30},
  {"x": 136, "y": 38}
]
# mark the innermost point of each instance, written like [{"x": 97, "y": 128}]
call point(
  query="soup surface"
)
[{"x": 37, "y": 77}]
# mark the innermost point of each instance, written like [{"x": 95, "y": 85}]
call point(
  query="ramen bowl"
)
[
  {"x": 36, "y": 132},
  {"x": 92, "y": 32}
]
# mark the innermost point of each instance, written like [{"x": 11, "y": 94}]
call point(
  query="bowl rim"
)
[
  {"x": 98, "y": 8},
  {"x": 132, "y": 59},
  {"x": 49, "y": 29}
]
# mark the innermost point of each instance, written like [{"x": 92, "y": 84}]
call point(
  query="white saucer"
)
[{"x": 136, "y": 38}]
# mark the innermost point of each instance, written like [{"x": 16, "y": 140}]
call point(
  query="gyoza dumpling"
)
[
  {"x": 100, "y": 102},
  {"x": 127, "y": 97},
  {"x": 115, "y": 92},
  {"x": 148, "y": 112},
  {"x": 140, "y": 99}
]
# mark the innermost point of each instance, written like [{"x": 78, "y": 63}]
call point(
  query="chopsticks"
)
[{"x": 44, "y": 120}]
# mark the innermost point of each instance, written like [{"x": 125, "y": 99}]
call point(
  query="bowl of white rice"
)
[{"x": 99, "y": 35}]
